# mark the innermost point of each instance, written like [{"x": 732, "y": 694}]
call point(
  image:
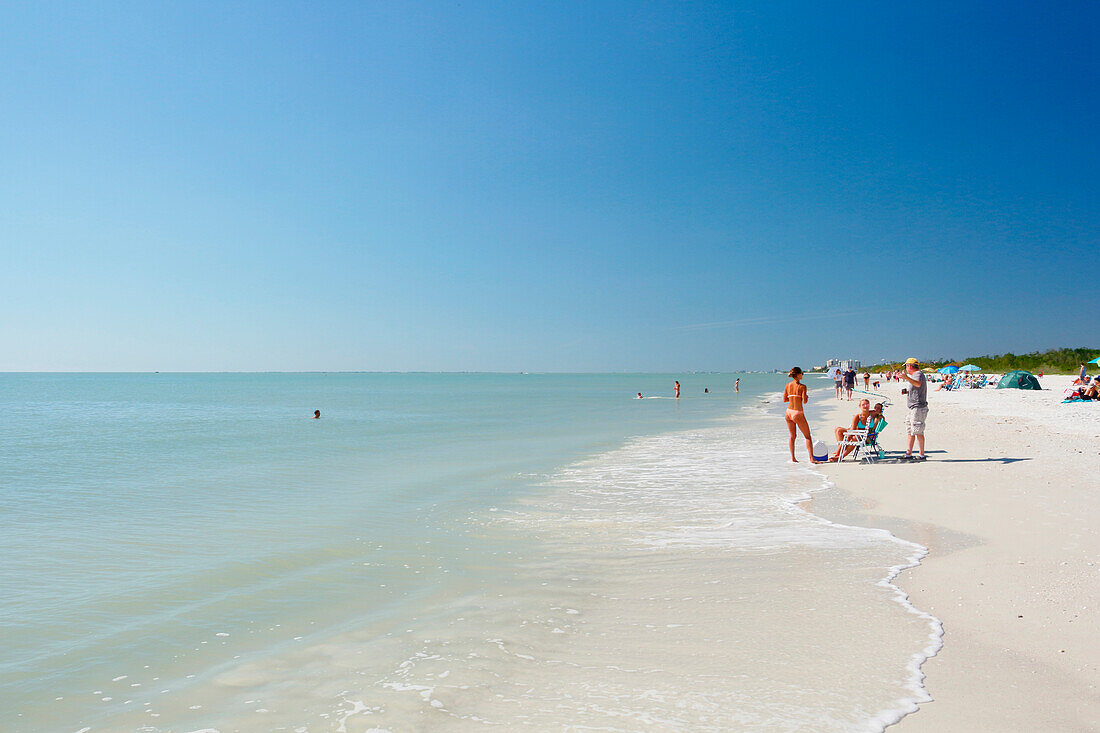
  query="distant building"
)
[{"x": 843, "y": 364}]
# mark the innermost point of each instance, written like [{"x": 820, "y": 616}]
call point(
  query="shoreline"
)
[
  {"x": 1004, "y": 509},
  {"x": 828, "y": 492},
  {"x": 888, "y": 717}
]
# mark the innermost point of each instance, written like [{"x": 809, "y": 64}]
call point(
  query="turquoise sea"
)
[{"x": 190, "y": 552}]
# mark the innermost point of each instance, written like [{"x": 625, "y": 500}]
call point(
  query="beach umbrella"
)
[
  {"x": 970, "y": 368},
  {"x": 1095, "y": 361},
  {"x": 949, "y": 370}
]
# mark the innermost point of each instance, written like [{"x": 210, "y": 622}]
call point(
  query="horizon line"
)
[{"x": 382, "y": 371}]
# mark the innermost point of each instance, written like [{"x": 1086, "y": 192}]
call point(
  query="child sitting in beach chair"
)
[{"x": 877, "y": 425}]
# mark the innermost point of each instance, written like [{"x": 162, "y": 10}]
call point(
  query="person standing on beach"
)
[
  {"x": 849, "y": 382},
  {"x": 677, "y": 390},
  {"x": 834, "y": 374},
  {"x": 866, "y": 381},
  {"x": 918, "y": 407},
  {"x": 796, "y": 396}
]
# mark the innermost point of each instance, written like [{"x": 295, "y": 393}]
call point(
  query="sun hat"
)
[{"x": 911, "y": 360}]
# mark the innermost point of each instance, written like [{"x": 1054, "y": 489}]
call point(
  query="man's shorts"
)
[
  {"x": 839, "y": 383},
  {"x": 914, "y": 420}
]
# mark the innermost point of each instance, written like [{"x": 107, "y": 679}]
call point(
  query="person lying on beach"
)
[
  {"x": 796, "y": 396},
  {"x": 1078, "y": 391},
  {"x": 862, "y": 421}
]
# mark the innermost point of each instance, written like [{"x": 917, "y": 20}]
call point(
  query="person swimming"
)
[
  {"x": 796, "y": 396},
  {"x": 639, "y": 397},
  {"x": 316, "y": 414}
]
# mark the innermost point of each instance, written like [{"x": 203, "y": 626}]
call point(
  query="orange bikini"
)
[{"x": 795, "y": 400}]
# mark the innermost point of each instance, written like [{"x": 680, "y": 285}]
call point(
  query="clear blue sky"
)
[{"x": 567, "y": 186}]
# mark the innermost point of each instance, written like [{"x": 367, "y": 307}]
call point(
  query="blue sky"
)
[{"x": 563, "y": 186}]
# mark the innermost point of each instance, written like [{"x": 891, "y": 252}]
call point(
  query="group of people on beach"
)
[
  {"x": 796, "y": 396},
  {"x": 846, "y": 382},
  {"x": 1083, "y": 388}
]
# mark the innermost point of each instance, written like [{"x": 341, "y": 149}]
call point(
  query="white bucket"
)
[{"x": 821, "y": 451}]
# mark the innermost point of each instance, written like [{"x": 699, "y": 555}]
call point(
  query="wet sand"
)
[{"x": 1007, "y": 504}]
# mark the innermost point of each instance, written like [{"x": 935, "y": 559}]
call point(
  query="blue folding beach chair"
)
[{"x": 869, "y": 451}]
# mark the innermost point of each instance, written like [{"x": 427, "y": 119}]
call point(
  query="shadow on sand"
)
[{"x": 896, "y": 458}]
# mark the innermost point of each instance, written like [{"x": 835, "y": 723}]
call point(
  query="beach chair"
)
[
  {"x": 864, "y": 444},
  {"x": 870, "y": 450},
  {"x": 855, "y": 438}
]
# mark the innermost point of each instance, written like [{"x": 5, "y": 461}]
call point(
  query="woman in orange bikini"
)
[{"x": 796, "y": 397}]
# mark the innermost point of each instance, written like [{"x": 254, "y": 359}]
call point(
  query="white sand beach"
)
[{"x": 1007, "y": 504}]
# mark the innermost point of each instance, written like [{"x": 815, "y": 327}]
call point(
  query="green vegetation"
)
[{"x": 1054, "y": 361}]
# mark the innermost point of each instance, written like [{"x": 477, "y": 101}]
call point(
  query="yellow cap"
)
[{"x": 911, "y": 360}]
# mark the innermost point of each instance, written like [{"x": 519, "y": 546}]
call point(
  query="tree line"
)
[{"x": 1057, "y": 361}]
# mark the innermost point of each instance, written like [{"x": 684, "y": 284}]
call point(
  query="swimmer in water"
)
[
  {"x": 737, "y": 385},
  {"x": 706, "y": 390},
  {"x": 316, "y": 414},
  {"x": 796, "y": 396},
  {"x": 639, "y": 397},
  {"x": 677, "y": 390}
]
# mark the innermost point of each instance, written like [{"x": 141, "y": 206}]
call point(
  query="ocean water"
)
[{"x": 191, "y": 552}]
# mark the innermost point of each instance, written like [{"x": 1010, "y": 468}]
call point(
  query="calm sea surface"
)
[{"x": 190, "y": 551}]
